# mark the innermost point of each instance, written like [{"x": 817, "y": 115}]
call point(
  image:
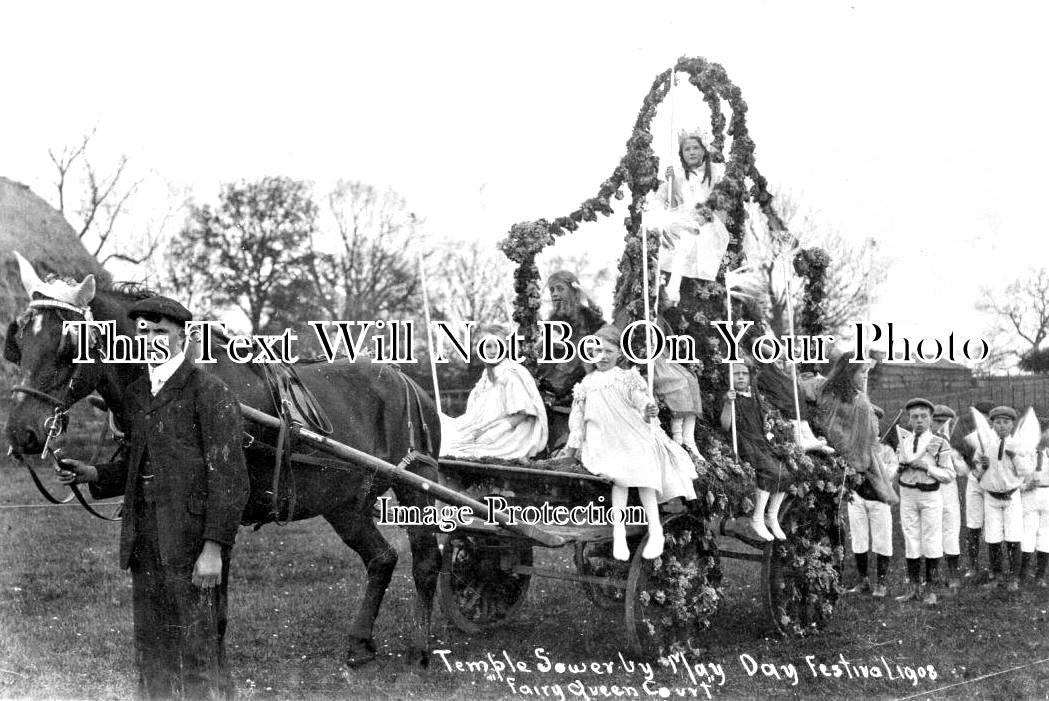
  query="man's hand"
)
[
  {"x": 207, "y": 572},
  {"x": 651, "y": 410},
  {"x": 72, "y": 471},
  {"x": 731, "y": 395}
]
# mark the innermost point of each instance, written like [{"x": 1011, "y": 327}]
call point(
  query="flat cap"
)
[
  {"x": 159, "y": 307},
  {"x": 1006, "y": 411},
  {"x": 919, "y": 402},
  {"x": 942, "y": 412}
]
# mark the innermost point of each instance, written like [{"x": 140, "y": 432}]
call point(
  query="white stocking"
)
[
  {"x": 620, "y": 549},
  {"x": 654, "y": 546},
  {"x": 689, "y": 430},
  {"x": 675, "y": 429},
  {"x": 773, "y": 516},
  {"x": 673, "y": 289},
  {"x": 757, "y": 519}
]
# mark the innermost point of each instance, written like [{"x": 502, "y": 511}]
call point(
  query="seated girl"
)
[
  {"x": 612, "y": 434},
  {"x": 770, "y": 473},
  {"x": 504, "y": 417},
  {"x": 694, "y": 235}
]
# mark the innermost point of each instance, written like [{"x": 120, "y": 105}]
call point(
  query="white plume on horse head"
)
[{"x": 59, "y": 290}]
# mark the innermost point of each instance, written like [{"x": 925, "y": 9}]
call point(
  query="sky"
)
[{"x": 922, "y": 125}]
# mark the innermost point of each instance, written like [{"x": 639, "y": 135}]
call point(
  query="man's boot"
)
[
  {"x": 1014, "y": 566},
  {"x": 1025, "y": 568},
  {"x": 913, "y": 592},
  {"x": 932, "y": 580},
  {"x": 972, "y": 550},
  {"x": 1041, "y": 561},
  {"x": 953, "y": 582},
  {"x": 864, "y": 584},
  {"x": 880, "y": 590},
  {"x": 994, "y": 556}
]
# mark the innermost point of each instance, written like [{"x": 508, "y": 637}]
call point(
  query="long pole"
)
[
  {"x": 648, "y": 319},
  {"x": 731, "y": 381},
  {"x": 793, "y": 362},
  {"x": 429, "y": 325}
]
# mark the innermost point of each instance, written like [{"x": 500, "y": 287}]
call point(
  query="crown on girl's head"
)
[{"x": 698, "y": 133}]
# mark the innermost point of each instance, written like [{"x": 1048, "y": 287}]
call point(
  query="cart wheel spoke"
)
[{"x": 477, "y": 587}]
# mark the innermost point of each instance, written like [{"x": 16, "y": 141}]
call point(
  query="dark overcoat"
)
[{"x": 193, "y": 436}]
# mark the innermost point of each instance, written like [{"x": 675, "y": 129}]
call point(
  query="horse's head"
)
[{"x": 51, "y": 381}]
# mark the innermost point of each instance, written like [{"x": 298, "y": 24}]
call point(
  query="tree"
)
[
  {"x": 1020, "y": 313},
  {"x": 251, "y": 251},
  {"x": 372, "y": 272},
  {"x": 470, "y": 282},
  {"x": 856, "y": 269},
  {"x": 94, "y": 199}
]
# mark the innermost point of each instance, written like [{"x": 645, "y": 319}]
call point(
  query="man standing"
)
[
  {"x": 185, "y": 483},
  {"x": 925, "y": 464}
]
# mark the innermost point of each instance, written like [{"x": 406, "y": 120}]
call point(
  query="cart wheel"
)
[
  {"x": 672, "y": 598},
  {"x": 477, "y": 587},
  {"x": 799, "y": 598},
  {"x": 594, "y": 559}
]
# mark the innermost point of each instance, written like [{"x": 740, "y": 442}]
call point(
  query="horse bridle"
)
[{"x": 57, "y": 423}]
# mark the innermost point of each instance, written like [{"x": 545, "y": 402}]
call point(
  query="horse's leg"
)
[
  {"x": 426, "y": 564},
  {"x": 358, "y": 530}
]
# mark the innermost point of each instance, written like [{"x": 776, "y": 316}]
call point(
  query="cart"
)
[
  {"x": 487, "y": 564},
  {"x": 486, "y": 571}
]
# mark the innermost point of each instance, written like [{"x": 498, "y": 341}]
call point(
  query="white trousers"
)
[
  {"x": 921, "y": 518},
  {"x": 973, "y": 503},
  {"x": 952, "y": 518},
  {"x": 1003, "y": 519},
  {"x": 1036, "y": 520},
  {"x": 870, "y": 523}
]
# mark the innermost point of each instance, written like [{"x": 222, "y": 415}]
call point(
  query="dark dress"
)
[
  {"x": 769, "y": 472},
  {"x": 556, "y": 380}
]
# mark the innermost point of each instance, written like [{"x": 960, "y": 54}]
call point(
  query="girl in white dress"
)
[
  {"x": 505, "y": 417},
  {"x": 695, "y": 238},
  {"x": 611, "y": 434}
]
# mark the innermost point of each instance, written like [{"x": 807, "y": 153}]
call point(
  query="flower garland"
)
[
  {"x": 812, "y": 264},
  {"x": 725, "y": 485}
]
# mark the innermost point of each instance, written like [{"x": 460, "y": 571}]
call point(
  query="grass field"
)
[{"x": 65, "y": 621}]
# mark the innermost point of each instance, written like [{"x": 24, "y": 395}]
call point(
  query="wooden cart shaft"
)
[{"x": 370, "y": 462}]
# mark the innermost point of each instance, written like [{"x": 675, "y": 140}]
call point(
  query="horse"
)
[{"x": 374, "y": 408}]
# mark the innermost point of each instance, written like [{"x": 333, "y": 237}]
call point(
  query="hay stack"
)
[{"x": 35, "y": 229}]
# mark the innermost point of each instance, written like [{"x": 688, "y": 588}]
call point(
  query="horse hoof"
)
[
  {"x": 360, "y": 652},
  {"x": 420, "y": 658}
]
